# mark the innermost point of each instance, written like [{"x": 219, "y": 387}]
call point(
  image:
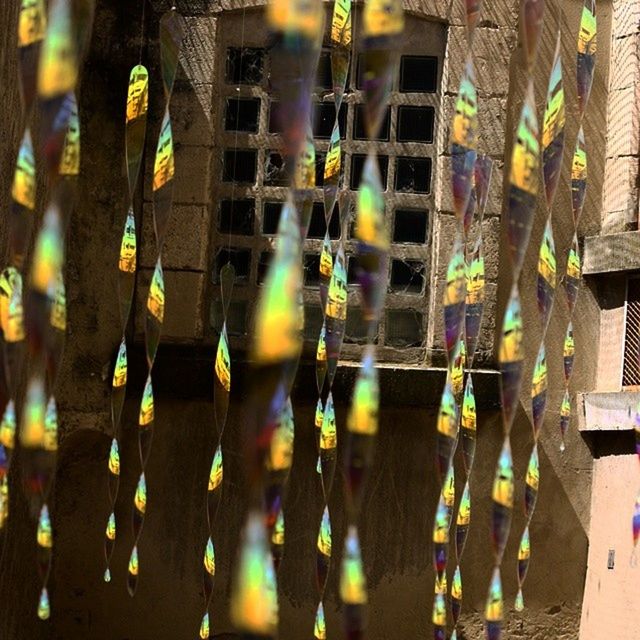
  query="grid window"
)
[
  {"x": 242, "y": 115},
  {"x": 410, "y": 225},
  {"x": 418, "y": 74},
  {"x": 252, "y": 184},
  {"x": 415, "y": 124},
  {"x": 237, "y": 217}
]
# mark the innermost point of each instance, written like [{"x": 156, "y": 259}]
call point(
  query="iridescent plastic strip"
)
[
  {"x": 587, "y": 45},
  {"x": 474, "y": 311},
  {"x": 521, "y": 198},
  {"x": 635, "y": 522},
  {"x": 32, "y": 27},
  {"x": 45, "y": 303},
  {"x": 382, "y": 27},
  {"x": 297, "y": 28},
  {"x": 464, "y": 141},
  {"x": 553, "y": 133},
  {"x": 333, "y": 298},
  {"x": 171, "y": 34},
  {"x": 135, "y": 133}
]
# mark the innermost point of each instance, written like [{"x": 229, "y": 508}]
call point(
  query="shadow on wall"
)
[{"x": 396, "y": 533}]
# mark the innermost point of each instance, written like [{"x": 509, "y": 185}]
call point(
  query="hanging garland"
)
[
  {"x": 522, "y": 197},
  {"x": 171, "y": 34},
  {"x": 587, "y": 44},
  {"x": 135, "y": 134},
  {"x": 383, "y": 24},
  {"x": 45, "y": 304},
  {"x": 297, "y": 29},
  {"x": 552, "y": 153},
  {"x": 32, "y": 27},
  {"x": 333, "y": 300}
]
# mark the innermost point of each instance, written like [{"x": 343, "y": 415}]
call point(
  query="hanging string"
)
[
  {"x": 45, "y": 304},
  {"x": 522, "y": 197},
  {"x": 297, "y": 29},
  {"x": 383, "y": 25},
  {"x": 135, "y": 135},
  {"x": 553, "y": 134},
  {"x": 32, "y": 27},
  {"x": 586, "y": 59},
  {"x": 171, "y": 35}
]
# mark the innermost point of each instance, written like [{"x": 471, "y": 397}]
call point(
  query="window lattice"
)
[
  {"x": 631, "y": 365},
  {"x": 250, "y": 181}
]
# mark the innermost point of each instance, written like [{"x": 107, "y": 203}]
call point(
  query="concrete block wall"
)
[{"x": 620, "y": 202}]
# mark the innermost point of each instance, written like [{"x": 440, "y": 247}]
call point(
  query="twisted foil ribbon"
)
[
  {"x": 382, "y": 26},
  {"x": 135, "y": 133},
  {"x": 54, "y": 80},
  {"x": 32, "y": 27},
  {"x": 297, "y": 29},
  {"x": 522, "y": 196},
  {"x": 553, "y": 135},
  {"x": 171, "y": 34},
  {"x": 333, "y": 300},
  {"x": 586, "y": 59}
]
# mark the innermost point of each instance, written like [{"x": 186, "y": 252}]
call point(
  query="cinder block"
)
[
  {"x": 492, "y": 53},
  {"x": 191, "y": 114},
  {"x": 626, "y": 18},
  {"x": 184, "y": 295},
  {"x": 620, "y": 190},
  {"x": 624, "y": 62},
  {"x": 187, "y": 238},
  {"x": 199, "y": 49},
  {"x": 623, "y": 115}
]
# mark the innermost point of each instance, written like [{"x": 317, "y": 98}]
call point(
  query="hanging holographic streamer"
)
[
  {"x": 552, "y": 153},
  {"x": 45, "y": 302},
  {"x": 635, "y": 522},
  {"x": 522, "y": 197},
  {"x": 32, "y": 26},
  {"x": 333, "y": 299},
  {"x": 171, "y": 34},
  {"x": 135, "y": 133},
  {"x": 463, "y": 159},
  {"x": 474, "y": 310},
  {"x": 297, "y": 29},
  {"x": 383, "y": 24},
  {"x": 587, "y": 43}
]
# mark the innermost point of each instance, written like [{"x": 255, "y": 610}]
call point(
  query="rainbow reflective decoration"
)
[
  {"x": 442, "y": 525},
  {"x": 547, "y": 274},
  {"x": 587, "y": 45},
  {"x": 579, "y": 177},
  {"x": 494, "y": 610},
  {"x": 44, "y": 607},
  {"x": 171, "y": 34},
  {"x": 439, "y": 616},
  {"x": 254, "y": 603},
  {"x": 135, "y": 134},
  {"x": 353, "y": 586},
  {"x": 468, "y": 425},
  {"x": 32, "y": 28},
  {"x": 455, "y": 296},
  {"x": 336, "y": 313},
  {"x": 447, "y": 427},
  {"x": 511, "y": 356},
  {"x": 320, "y": 625}
]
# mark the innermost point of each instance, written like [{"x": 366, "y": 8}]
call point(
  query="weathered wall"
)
[{"x": 402, "y": 495}]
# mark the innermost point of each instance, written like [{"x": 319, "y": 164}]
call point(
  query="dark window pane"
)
[
  {"x": 245, "y": 66},
  {"x": 271, "y": 217},
  {"x": 413, "y": 175},
  {"x": 242, "y": 115},
  {"x": 403, "y": 328},
  {"x": 415, "y": 124},
  {"x": 237, "y": 217},
  {"x": 275, "y": 173},
  {"x": 240, "y": 165},
  {"x": 324, "y": 81},
  {"x": 239, "y": 258},
  {"x": 357, "y": 163},
  {"x": 312, "y": 322},
  {"x": 418, "y": 74},
  {"x": 359, "y": 130},
  {"x": 410, "y": 225},
  {"x": 356, "y": 327},
  {"x": 407, "y": 276},
  {"x": 320, "y": 160},
  {"x": 236, "y": 317},
  {"x": 324, "y": 116},
  {"x": 274, "y": 118},
  {"x": 352, "y": 270},
  {"x": 311, "y": 269},
  {"x": 318, "y": 226},
  {"x": 263, "y": 265}
]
